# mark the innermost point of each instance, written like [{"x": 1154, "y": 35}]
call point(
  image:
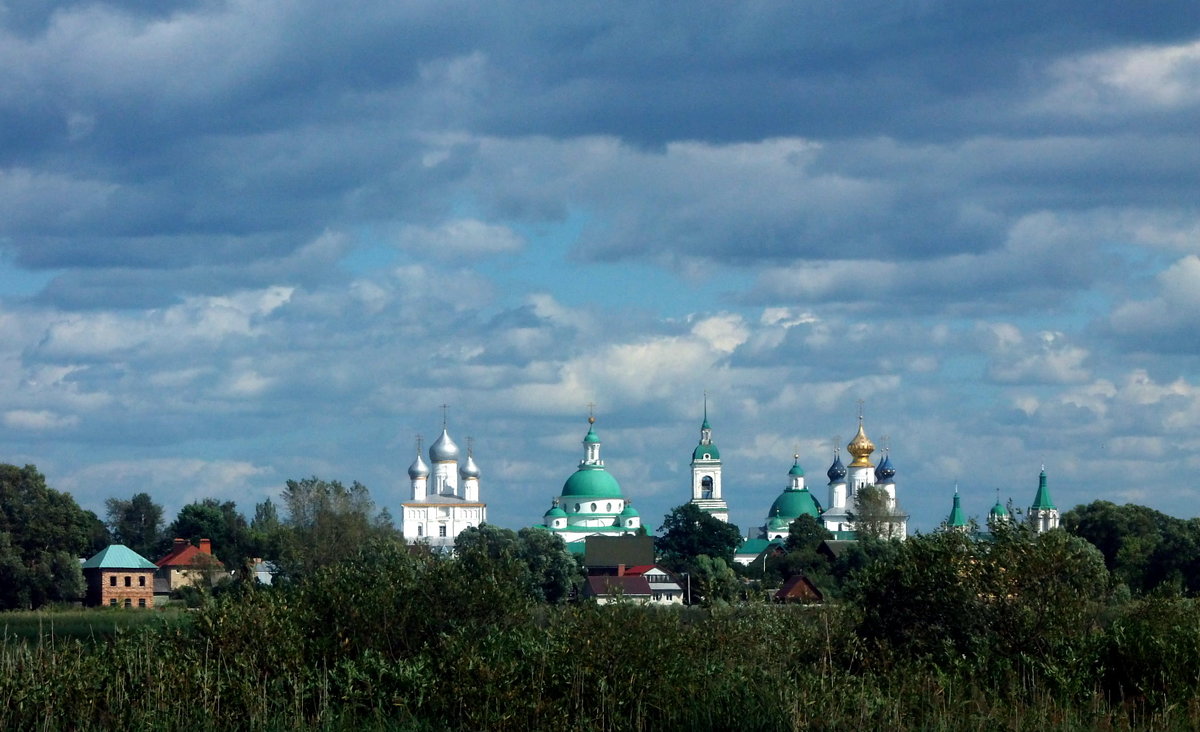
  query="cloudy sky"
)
[{"x": 248, "y": 241}]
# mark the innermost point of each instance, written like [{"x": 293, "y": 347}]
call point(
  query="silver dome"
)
[
  {"x": 469, "y": 469},
  {"x": 418, "y": 469},
  {"x": 443, "y": 449}
]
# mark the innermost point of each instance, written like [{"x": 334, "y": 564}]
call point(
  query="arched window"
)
[
  {"x": 593, "y": 508},
  {"x": 420, "y": 530},
  {"x": 608, "y": 507},
  {"x": 706, "y": 486}
]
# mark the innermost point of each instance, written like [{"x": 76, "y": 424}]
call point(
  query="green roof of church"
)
[
  {"x": 791, "y": 504},
  {"x": 118, "y": 556},
  {"x": 592, "y": 481},
  {"x": 1042, "y": 499},
  {"x": 706, "y": 452},
  {"x": 956, "y": 518}
]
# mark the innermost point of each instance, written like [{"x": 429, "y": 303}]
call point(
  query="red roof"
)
[
  {"x": 184, "y": 554},
  {"x": 639, "y": 569}
]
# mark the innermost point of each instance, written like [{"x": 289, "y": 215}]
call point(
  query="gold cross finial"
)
[
  {"x": 591, "y": 412},
  {"x": 860, "y": 410}
]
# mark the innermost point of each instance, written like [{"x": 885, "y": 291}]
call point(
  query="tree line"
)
[{"x": 317, "y": 522}]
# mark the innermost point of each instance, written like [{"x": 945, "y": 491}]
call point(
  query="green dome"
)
[
  {"x": 591, "y": 437},
  {"x": 629, "y": 511},
  {"x": 702, "y": 450},
  {"x": 796, "y": 471},
  {"x": 555, "y": 512},
  {"x": 999, "y": 511},
  {"x": 792, "y": 504},
  {"x": 592, "y": 481}
]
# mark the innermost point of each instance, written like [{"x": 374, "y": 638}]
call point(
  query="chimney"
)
[
  {"x": 206, "y": 546},
  {"x": 620, "y": 570},
  {"x": 180, "y": 542}
]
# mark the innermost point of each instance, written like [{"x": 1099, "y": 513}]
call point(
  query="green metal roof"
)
[
  {"x": 1042, "y": 499},
  {"x": 118, "y": 556},
  {"x": 796, "y": 469},
  {"x": 590, "y": 437},
  {"x": 956, "y": 518},
  {"x": 791, "y": 504},
  {"x": 592, "y": 481},
  {"x": 706, "y": 452}
]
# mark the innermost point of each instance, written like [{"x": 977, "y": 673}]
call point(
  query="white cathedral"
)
[{"x": 441, "y": 507}]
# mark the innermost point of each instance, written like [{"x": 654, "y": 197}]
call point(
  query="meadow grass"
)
[{"x": 83, "y": 623}]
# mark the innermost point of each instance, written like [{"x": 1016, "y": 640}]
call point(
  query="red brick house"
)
[{"x": 119, "y": 577}]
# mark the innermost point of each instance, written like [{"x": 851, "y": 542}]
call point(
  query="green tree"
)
[
  {"x": 1142, "y": 548},
  {"x": 715, "y": 580},
  {"x": 873, "y": 516},
  {"x": 947, "y": 598},
  {"x": 136, "y": 523},
  {"x": 43, "y": 532},
  {"x": 537, "y": 559},
  {"x": 327, "y": 523},
  {"x": 689, "y": 532},
  {"x": 219, "y": 521}
]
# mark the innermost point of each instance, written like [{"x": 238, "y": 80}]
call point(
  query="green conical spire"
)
[
  {"x": 956, "y": 519},
  {"x": 1042, "y": 499}
]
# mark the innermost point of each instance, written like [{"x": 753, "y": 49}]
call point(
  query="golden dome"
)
[{"x": 861, "y": 448}]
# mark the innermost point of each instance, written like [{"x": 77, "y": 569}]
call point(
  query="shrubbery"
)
[{"x": 937, "y": 632}]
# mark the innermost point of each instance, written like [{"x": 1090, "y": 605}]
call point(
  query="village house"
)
[
  {"x": 188, "y": 565},
  {"x": 119, "y": 577}
]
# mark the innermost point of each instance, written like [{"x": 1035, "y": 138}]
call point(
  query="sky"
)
[{"x": 248, "y": 241}]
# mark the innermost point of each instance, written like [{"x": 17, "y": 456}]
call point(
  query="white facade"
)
[{"x": 441, "y": 506}]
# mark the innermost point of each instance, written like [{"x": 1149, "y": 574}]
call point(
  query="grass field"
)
[{"x": 83, "y": 623}]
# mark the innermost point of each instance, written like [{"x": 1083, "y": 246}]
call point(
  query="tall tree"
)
[
  {"x": 537, "y": 559},
  {"x": 43, "y": 533},
  {"x": 689, "y": 532},
  {"x": 219, "y": 521},
  {"x": 327, "y": 523},
  {"x": 136, "y": 523},
  {"x": 873, "y": 516}
]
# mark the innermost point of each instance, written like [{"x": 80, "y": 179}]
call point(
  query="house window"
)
[
  {"x": 128, "y": 602},
  {"x": 112, "y": 602},
  {"x": 128, "y": 581},
  {"x": 441, "y": 531},
  {"x": 112, "y": 580},
  {"x": 142, "y": 581},
  {"x": 141, "y": 602},
  {"x": 420, "y": 531}
]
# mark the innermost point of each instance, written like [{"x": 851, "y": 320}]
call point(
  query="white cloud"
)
[
  {"x": 1047, "y": 357},
  {"x": 39, "y": 420},
  {"x": 1175, "y": 311},
  {"x": 462, "y": 238},
  {"x": 1127, "y": 80}
]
